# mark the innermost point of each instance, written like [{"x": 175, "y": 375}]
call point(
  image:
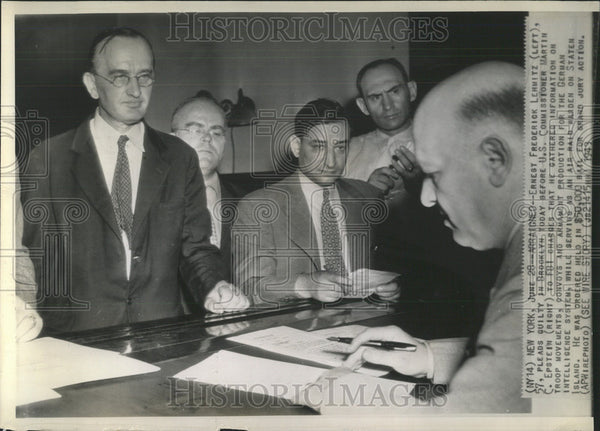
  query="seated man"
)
[
  {"x": 300, "y": 237},
  {"x": 472, "y": 156}
]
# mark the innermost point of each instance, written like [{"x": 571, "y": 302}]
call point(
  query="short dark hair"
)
[
  {"x": 316, "y": 112},
  {"x": 105, "y": 36},
  {"x": 372, "y": 65},
  {"x": 202, "y": 95},
  {"x": 507, "y": 103}
]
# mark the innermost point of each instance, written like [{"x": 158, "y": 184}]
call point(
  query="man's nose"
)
[
  {"x": 205, "y": 137},
  {"x": 387, "y": 102},
  {"x": 330, "y": 158},
  {"x": 133, "y": 88},
  {"x": 428, "y": 196}
]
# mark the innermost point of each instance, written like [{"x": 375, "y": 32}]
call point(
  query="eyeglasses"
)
[
  {"x": 119, "y": 81},
  {"x": 216, "y": 132}
]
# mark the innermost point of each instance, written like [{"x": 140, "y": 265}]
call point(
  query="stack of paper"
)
[
  {"x": 267, "y": 377},
  {"x": 48, "y": 363},
  {"x": 326, "y": 391}
]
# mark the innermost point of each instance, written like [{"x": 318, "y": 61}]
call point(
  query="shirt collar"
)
[
  {"x": 404, "y": 134},
  {"x": 110, "y": 134},
  {"x": 310, "y": 185}
]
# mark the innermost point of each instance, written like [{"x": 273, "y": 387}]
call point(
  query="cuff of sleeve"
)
[{"x": 430, "y": 361}]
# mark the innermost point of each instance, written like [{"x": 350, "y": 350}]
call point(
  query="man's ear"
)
[
  {"x": 497, "y": 159},
  {"x": 90, "y": 84},
  {"x": 360, "y": 102},
  {"x": 295, "y": 145},
  {"x": 412, "y": 90}
]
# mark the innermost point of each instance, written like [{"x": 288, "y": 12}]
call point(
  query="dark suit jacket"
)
[
  {"x": 82, "y": 278},
  {"x": 274, "y": 238}
]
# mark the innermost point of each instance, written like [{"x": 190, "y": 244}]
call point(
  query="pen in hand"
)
[{"x": 388, "y": 345}]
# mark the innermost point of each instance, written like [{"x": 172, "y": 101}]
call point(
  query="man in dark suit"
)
[
  {"x": 139, "y": 205},
  {"x": 200, "y": 122},
  {"x": 302, "y": 236}
]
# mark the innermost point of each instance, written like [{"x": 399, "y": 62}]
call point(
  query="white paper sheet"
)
[
  {"x": 300, "y": 344},
  {"x": 48, "y": 363},
  {"x": 340, "y": 331},
  {"x": 252, "y": 374}
]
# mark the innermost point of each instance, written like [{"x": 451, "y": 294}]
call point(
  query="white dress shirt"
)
[
  {"x": 375, "y": 150},
  {"x": 105, "y": 139},
  {"x": 313, "y": 193}
]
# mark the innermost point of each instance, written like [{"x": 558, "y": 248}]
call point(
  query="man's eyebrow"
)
[
  {"x": 126, "y": 72},
  {"x": 343, "y": 141},
  {"x": 393, "y": 88},
  {"x": 194, "y": 123}
]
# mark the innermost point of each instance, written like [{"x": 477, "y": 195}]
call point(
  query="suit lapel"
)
[
  {"x": 356, "y": 226},
  {"x": 88, "y": 173},
  {"x": 152, "y": 176},
  {"x": 302, "y": 231}
]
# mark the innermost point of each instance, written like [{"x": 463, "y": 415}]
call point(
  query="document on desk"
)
[
  {"x": 48, "y": 363},
  {"x": 300, "y": 344},
  {"x": 268, "y": 377}
]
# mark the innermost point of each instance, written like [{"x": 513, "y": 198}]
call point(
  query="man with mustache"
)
[
  {"x": 472, "y": 158},
  {"x": 141, "y": 219},
  {"x": 301, "y": 237}
]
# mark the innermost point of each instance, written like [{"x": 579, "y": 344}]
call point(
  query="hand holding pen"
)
[
  {"x": 404, "y": 359},
  {"x": 387, "y": 345}
]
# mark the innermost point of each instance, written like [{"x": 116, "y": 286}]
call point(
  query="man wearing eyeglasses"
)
[
  {"x": 200, "y": 122},
  {"x": 141, "y": 217}
]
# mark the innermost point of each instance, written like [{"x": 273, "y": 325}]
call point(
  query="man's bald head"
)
[
  {"x": 469, "y": 141},
  {"x": 200, "y": 122}
]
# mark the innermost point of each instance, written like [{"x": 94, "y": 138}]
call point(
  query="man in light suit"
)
[
  {"x": 469, "y": 143},
  {"x": 134, "y": 201},
  {"x": 301, "y": 237}
]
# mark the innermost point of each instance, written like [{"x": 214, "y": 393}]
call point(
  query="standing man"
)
[
  {"x": 412, "y": 241},
  {"x": 472, "y": 157},
  {"x": 142, "y": 206},
  {"x": 302, "y": 236},
  {"x": 200, "y": 122},
  {"x": 384, "y": 157}
]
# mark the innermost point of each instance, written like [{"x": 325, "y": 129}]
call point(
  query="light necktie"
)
[
  {"x": 332, "y": 244},
  {"x": 121, "y": 190}
]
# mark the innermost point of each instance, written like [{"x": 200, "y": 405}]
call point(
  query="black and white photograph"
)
[{"x": 249, "y": 215}]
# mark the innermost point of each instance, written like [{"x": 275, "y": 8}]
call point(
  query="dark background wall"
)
[{"x": 51, "y": 55}]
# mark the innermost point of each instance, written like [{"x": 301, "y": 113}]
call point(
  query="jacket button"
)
[
  {"x": 137, "y": 258},
  {"x": 129, "y": 300}
]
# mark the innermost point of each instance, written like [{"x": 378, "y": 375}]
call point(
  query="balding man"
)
[
  {"x": 134, "y": 201},
  {"x": 200, "y": 122},
  {"x": 472, "y": 156}
]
